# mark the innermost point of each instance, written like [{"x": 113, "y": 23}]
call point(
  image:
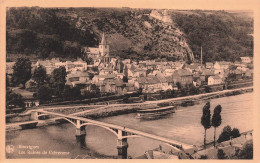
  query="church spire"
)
[{"x": 103, "y": 41}]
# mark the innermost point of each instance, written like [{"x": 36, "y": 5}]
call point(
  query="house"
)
[
  {"x": 126, "y": 61},
  {"x": 170, "y": 81},
  {"x": 29, "y": 100},
  {"x": 164, "y": 84},
  {"x": 103, "y": 79},
  {"x": 129, "y": 88},
  {"x": 110, "y": 87},
  {"x": 246, "y": 59},
  {"x": 193, "y": 68},
  {"x": 237, "y": 74},
  {"x": 183, "y": 76},
  {"x": 49, "y": 65},
  {"x": 78, "y": 78},
  {"x": 168, "y": 71},
  {"x": 134, "y": 73},
  {"x": 209, "y": 65},
  {"x": 249, "y": 74},
  {"x": 213, "y": 80},
  {"x": 91, "y": 52},
  {"x": 219, "y": 65},
  {"x": 73, "y": 66},
  {"x": 205, "y": 74},
  {"x": 178, "y": 65},
  {"x": 197, "y": 80},
  {"x": 119, "y": 87},
  {"x": 149, "y": 83},
  {"x": 105, "y": 71},
  {"x": 242, "y": 67},
  {"x": 119, "y": 75}
]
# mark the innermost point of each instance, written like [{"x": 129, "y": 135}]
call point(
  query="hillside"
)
[{"x": 132, "y": 33}]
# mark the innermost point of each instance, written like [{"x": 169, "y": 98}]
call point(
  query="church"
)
[{"x": 100, "y": 55}]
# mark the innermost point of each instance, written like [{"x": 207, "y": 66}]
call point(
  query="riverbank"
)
[
  {"x": 181, "y": 126},
  {"x": 102, "y": 111}
]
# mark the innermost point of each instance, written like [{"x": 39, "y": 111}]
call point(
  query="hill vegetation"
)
[{"x": 132, "y": 33}]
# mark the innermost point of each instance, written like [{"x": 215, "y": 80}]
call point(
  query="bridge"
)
[{"x": 122, "y": 133}]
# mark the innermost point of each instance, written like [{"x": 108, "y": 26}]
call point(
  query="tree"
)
[
  {"x": 125, "y": 79},
  {"x": 87, "y": 59},
  {"x": 203, "y": 157},
  {"x": 125, "y": 71},
  {"x": 58, "y": 80},
  {"x": 231, "y": 77},
  {"x": 247, "y": 151},
  {"x": 194, "y": 90},
  {"x": 207, "y": 89},
  {"x": 140, "y": 90},
  {"x": 71, "y": 93},
  {"x": 216, "y": 120},
  {"x": 39, "y": 75},
  {"x": 6, "y": 81},
  {"x": 178, "y": 84},
  {"x": 14, "y": 99},
  {"x": 221, "y": 154},
  {"x": 22, "y": 71},
  {"x": 205, "y": 119},
  {"x": 225, "y": 135},
  {"x": 183, "y": 92},
  {"x": 44, "y": 94},
  {"x": 235, "y": 133}
]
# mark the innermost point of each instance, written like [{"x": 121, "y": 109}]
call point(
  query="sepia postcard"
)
[{"x": 129, "y": 79}]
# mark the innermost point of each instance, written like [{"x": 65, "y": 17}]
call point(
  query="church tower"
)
[{"x": 103, "y": 47}]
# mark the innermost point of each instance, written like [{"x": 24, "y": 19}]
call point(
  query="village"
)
[
  {"x": 114, "y": 75},
  {"x": 152, "y": 78}
]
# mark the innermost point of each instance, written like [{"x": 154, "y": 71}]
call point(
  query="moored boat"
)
[{"x": 155, "y": 113}]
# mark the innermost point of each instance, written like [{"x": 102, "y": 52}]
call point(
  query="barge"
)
[{"x": 155, "y": 113}]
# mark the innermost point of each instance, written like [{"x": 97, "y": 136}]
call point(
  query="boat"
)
[{"x": 155, "y": 113}]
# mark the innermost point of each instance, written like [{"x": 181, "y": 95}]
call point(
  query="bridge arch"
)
[
  {"x": 107, "y": 128},
  {"x": 70, "y": 121}
]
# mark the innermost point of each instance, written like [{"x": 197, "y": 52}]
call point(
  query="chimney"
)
[{"x": 201, "y": 56}]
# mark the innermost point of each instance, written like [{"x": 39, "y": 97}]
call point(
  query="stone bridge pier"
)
[
  {"x": 34, "y": 115},
  {"x": 80, "y": 133},
  {"x": 122, "y": 145}
]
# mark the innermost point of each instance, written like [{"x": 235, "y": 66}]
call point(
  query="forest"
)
[{"x": 62, "y": 32}]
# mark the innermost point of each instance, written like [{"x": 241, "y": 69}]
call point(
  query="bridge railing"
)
[{"x": 133, "y": 131}]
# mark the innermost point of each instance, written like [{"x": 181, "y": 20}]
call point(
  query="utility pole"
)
[{"x": 201, "y": 56}]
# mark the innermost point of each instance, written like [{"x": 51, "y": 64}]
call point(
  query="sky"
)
[{"x": 160, "y": 4}]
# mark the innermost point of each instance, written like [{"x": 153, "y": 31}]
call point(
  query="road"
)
[{"x": 134, "y": 104}]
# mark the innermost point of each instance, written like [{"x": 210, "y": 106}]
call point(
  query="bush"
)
[
  {"x": 221, "y": 154},
  {"x": 14, "y": 100},
  {"x": 207, "y": 89},
  {"x": 246, "y": 152},
  {"x": 44, "y": 94},
  {"x": 203, "y": 157},
  {"x": 227, "y": 133},
  {"x": 235, "y": 133}
]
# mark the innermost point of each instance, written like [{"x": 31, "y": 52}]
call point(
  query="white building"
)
[
  {"x": 246, "y": 59},
  {"x": 213, "y": 80},
  {"x": 221, "y": 65}
]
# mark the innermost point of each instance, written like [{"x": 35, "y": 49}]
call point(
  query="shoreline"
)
[{"x": 114, "y": 110}]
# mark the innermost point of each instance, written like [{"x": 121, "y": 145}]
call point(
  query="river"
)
[{"x": 183, "y": 125}]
